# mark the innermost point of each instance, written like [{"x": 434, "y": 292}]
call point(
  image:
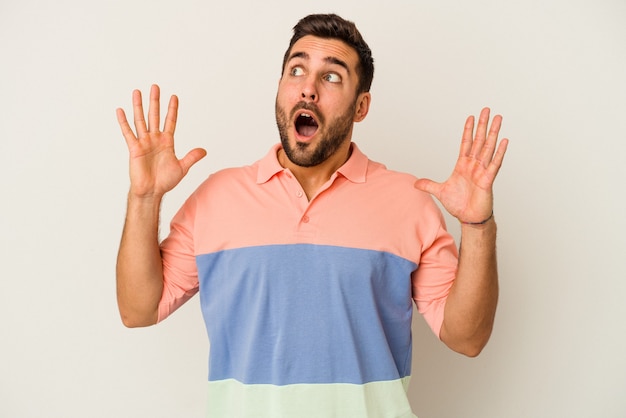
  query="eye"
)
[
  {"x": 296, "y": 71},
  {"x": 332, "y": 78}
]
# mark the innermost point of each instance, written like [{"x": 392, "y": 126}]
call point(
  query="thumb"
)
[
  {"x": 192, "y": 157},
  {"x": 428, "y": 186}
]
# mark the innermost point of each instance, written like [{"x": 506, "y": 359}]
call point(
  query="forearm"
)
[
  {"x": 139, "y": 264},
  {"x": 471, "y": 304}
]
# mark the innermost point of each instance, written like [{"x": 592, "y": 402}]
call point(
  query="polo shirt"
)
[{"x": 308, "y": 304}]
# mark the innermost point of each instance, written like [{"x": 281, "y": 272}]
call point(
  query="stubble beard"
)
[{"x": 335, "y": 133}]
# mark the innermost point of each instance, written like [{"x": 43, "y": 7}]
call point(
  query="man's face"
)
[{"x": 317, "y": 104}]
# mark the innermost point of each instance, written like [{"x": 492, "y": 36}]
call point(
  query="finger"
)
[
  {"x": 466, "y": 139},
  {"x": 499, "y": 155},
  {"x": 191, "y": 158},
  {"x": 140, "y": 122},
  {"x": 154, "y": 116},
  {"x": 172, "y": 116},
  {"x": 129, "y": 136},
  {"x": 492, "y": 139},
  {"x": 481, "y": 132},
  {"x": 496, "y": 162},
  {"x": 428, "y": 186}
]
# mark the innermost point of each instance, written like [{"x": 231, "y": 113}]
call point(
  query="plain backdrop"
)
[{"x": 556, "y": 71}]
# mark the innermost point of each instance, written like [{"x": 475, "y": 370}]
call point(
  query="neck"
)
[{"x": 313, "y": 178}]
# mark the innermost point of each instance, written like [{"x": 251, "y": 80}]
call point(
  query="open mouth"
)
[{"x": 306, "y": 125}]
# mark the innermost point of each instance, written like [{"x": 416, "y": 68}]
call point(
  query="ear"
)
[{"x": 362, "y": 106}]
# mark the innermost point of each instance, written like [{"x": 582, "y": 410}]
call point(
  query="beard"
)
[{"x": 332, "y": 136}]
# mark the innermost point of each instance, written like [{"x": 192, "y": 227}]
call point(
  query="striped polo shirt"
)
[{"x": 308, "y": 304}]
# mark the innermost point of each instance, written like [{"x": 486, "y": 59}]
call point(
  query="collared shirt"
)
[{"x": 308, "y": 303}]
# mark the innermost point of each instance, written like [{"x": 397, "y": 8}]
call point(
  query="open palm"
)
[
  {"x": 468, "y": 193},
  {"x": 154, "y": 167}
]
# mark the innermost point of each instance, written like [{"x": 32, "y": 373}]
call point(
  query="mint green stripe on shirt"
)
[{"x": 385, "y": 399}]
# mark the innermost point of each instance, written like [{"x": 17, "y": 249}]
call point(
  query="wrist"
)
[
  {"x": 144, "y": 203},
  {"x": 484, "y": 221},
  {"x": 152, "y": 197}
]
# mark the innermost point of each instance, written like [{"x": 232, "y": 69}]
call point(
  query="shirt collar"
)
[{"x": 355, "y": 169}]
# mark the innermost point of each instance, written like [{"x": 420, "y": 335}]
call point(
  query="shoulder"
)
[
  {"x": 396, "y": 191},
  {"x": 398, "y": 182},
  {"x": 228, "y": 177}
]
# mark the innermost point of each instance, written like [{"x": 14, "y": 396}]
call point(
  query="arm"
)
[
  {"x": 154, "y": 170},
  {"x": 468, "y": 196},
  {"x": 471, "y": 304}
]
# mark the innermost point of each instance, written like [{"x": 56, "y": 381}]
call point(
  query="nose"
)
[
  {"x": 308, "y": 95},
  {"x": 309, "y": 91}
]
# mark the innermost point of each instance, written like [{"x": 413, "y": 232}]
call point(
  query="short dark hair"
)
[{"x": 335, "y": 27}]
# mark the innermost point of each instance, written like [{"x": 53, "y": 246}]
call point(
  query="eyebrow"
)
[{"x": 329, "y": 60}]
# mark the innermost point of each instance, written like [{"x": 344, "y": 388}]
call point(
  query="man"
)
[{"x": 307, "y": 262}]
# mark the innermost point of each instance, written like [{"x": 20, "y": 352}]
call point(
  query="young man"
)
[{"x": 308, "y": 261}]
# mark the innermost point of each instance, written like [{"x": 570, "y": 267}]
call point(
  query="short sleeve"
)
[
  {"x": 180, "y": 273},
  {"x": 435, "y": 275}
]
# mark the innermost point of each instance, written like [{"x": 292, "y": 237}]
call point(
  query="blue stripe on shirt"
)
[{"x": 304, "y": 313}]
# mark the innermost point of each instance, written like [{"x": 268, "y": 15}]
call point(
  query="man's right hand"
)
[{"x": 154, "y": 168}]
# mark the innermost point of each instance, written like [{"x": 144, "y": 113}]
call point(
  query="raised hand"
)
[
  {"x": 468, "y": 193},
  {"x": 154, "y": 167}
]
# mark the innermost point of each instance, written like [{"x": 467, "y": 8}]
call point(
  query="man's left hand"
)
[{"x": 468, "y": 193}]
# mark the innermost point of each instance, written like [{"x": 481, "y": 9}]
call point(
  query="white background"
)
[{"x": 556, "y": 70}]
